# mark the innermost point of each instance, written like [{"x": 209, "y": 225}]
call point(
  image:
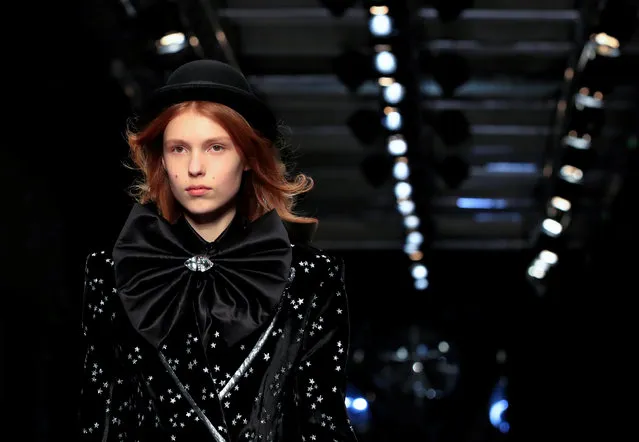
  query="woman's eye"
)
[
  {"x": 217, "y": 147},
  {"x": 177, "y": 149}
]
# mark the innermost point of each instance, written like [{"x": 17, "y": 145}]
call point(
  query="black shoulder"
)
[
  {"x": 97, "y": 262},
  {"x": 317, "y": 263},
  {"x": 98, "y": 269},
  {"x": 300, "y": 233}
]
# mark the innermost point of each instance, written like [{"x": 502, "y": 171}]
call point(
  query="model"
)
[{"x": 212, "y": 318}]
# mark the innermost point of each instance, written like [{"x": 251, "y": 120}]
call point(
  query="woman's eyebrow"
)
[{"x": 207, "y": 141}]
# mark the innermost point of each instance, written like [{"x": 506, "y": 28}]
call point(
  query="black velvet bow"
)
[{"x": 232, "y": 284}]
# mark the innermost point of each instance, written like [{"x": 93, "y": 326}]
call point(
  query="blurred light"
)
[
  {"x": 421, "y": 284},
  {"x": 548, "y": 257},
  {"x": 400, "y": 170},
  {"x": 410, "y": 248},
  {"x": 415, "y": 238},
  {"x": 481, "y": 203},
  {"x": 403, "y": 190},
  {"x": 571, "y": 174},
  {"x": 406, "y": 207},
  {"x": 542, "y": 264},
  {"x": 581, "y": 143},
  {"x": 393, "y": 120},
  {"x": 397, "y": 145},
  {"x": 394, "y": 93},
  {"x": 504, "y": 167},
  {"x": 496, "y": 412},
  {"x": 607, "y": 46},
  {"x": 419, "y": 271},
  {"x": 499, "y": 406},
  {"x": 583, "y": 100},
  {"x": 560, "y": 203},
  {"x": 552, "y": 227},
  {"x": 378, "y": 10},
  {"x": 171, "y": 43},
  {"x": 380, "y": 25},
  {"x": 385, "y": 62},
  {"x": 358, "y": 408},
  {"x": 360, "y": 404},
  {"x": 411, "y": 222}
]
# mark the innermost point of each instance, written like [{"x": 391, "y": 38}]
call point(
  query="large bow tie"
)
[{"x": 233, "y": 284}]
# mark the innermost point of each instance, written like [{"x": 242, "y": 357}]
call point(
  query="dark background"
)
[{"x": 567, "y": 351}]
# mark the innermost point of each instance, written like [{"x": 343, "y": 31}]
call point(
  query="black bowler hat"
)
[{"x": 216, "y": 81}]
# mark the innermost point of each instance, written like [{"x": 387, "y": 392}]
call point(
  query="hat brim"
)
[{"x": 254, "y": 110}]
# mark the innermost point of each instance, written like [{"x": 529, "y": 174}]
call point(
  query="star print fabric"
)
[
  {"x": 107, "y": 405},
  {"x": 320, "y": 382},
  {"x": 285, "y": 382}
]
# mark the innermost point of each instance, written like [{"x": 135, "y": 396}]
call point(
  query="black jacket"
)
[{"x": 284, "y": 381}]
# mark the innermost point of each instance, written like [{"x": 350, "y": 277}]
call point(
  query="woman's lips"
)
[{"x": 198, "y": 191}]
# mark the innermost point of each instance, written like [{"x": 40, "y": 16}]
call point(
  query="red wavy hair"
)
[{"x": 266, "y": 186}]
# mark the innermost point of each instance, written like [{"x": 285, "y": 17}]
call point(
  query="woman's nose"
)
[{"x": 196, "y": 166}]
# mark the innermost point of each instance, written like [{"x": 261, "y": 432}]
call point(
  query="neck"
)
[{"x": 211, "y": 225}]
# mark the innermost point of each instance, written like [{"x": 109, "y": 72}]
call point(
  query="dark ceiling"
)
[{"x": 516, "y": 54}]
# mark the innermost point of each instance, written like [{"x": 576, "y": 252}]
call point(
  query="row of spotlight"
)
[
  {"x": 588, "y": 103},
  {"x": 392, "y": 93}
]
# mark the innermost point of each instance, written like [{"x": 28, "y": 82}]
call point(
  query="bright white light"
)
[
  {"x": 385, "y": 62},
  {"x": 403, "y": 190},
  {"x": 411, "y": 222},
  {"x": 406, "y": 207},
  {"x": 393, "y": 120},
  {"x": 400, "y": 170},
  {"x": 397, "y": 146},
  {"x": 581, "y": 143},
  {"x": 360, "y": 404},
  {"x": 380, "y": 25},
  {"x": 551, "y": 227},
  {"x": 415, "y": 238},
  {"x": 394, "y": 93},
  {"x": 548, "y": 257},
  {"x": 171, "y": 43},
  {"x": 560, "y": 203},
  {"x": 419, "y": 271},
  {"x": 571, "y": 174},
  {"x": 538, "y": 269}
]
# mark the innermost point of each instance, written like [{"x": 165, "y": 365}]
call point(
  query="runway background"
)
[{"x": 564, "y": 354}]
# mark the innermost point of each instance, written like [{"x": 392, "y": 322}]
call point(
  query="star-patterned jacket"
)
[{"x": 284, "y": 382}]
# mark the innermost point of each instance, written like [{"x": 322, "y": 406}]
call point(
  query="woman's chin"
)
[{"x": 206, "y": 208}]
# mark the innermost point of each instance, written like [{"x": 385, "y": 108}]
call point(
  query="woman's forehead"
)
[{"x": 194, "y": 126}]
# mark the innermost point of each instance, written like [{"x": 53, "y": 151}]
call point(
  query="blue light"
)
[
  {"x": 481, "y": 203},
  {"x": 358, "y": 409},
  {"x": 498, "y": 407},
  {"x": 518, "y": 168},
  {"x": 496, "y": 413},
  {"x": 356, "y": 404}
]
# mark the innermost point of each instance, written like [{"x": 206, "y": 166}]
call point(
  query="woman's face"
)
[{"x": 198, "y": 152}]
